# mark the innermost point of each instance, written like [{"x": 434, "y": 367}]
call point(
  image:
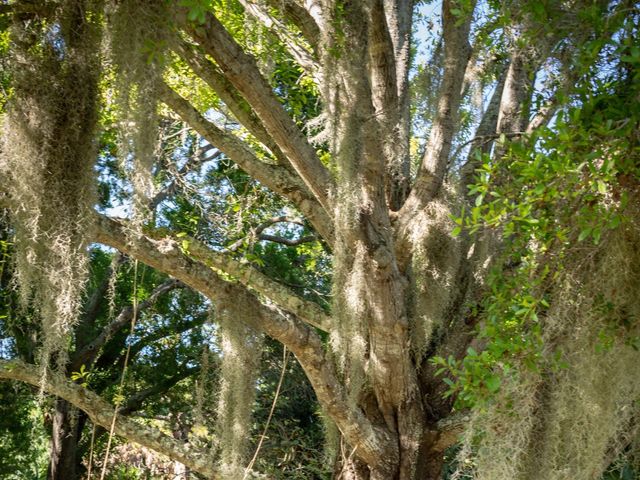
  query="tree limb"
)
[
  {"x": 275, "y": 177},
  {"x": 485, "y": 133},
  {"x": 134, "y": 402},
  {"x": 374, "y": 444},
  {"x": 384, "y": 87},
  {"x": 300, "y": 18},
  {"x": 238, "y": 106},
  {"x": 431, "y": 173},
  {"x": 242, "y": 272},
  {"x": 456, "y": 56},
  {"x": 88, "y": 353},
  {"x": 164, "y": 332},
  {"x": 101, "y": 413},
  {"x": 242, "y": 71},
  {"x": 188, "y": 166},
  {"x": 290, "y": 242}
]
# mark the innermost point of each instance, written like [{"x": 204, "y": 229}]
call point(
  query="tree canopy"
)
[{"x": 370, "y": 239}]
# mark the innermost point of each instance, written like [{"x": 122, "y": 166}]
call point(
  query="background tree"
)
[{"x": 499, "y": 285}]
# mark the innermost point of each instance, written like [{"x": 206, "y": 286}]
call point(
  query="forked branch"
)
[
  {"x": 242, "y": 71},
  {"x": 374, "y": 446}
]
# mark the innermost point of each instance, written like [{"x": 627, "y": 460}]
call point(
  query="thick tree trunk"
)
[{"x": 429, "y": 464}]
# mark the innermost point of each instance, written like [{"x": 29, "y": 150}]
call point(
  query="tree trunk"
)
[
  {"x": 65, "y": 435},
  {"x": 429, "y": 464}
]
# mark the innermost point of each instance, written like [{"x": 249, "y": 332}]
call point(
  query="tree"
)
[{"x": 413, "y": 252}]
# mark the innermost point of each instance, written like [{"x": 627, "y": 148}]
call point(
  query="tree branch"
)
[
  {"x": 436, "y": 157},
  {"x": 300, "y": 18},
  {"x": 275, "y": 177},
  {"x": 290, "y": 242},
  {"x": 134, "y": 402},
  {"x": 399, "y": 15},
  {"x": 242, "y": 71},
  {"x": 188, "y": 166},
  {"x": 92, "y": 306},
  {"x": 373, "y": 443},
  {"x": 101, "y": 413},
  {"x": 257, "y": 232},
  {"x": 238, "y": 106},
  {"x": 485, "y": 134},
  {"x": 384, "y": 87},
  {"x": 164, "y": 332},
  {"x": 240, "y": 271},
  {"x": 456, "y": 56}
]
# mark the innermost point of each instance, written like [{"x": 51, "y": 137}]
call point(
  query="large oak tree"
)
[{"x": 407, "y": 282}]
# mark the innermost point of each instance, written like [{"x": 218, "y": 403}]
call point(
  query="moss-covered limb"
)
[
  {"x": 243, "y": 272},
  {"x": 249, "y": 276},
  {"x": 211, "y": 74},
  {"x": 299, "y": 52},
  {"x": 388, "y": 94},
  {"x": 275, "y": 177},
  {"x": 374, "y": 445},
  {"x": 384, "y": 87},
  {"x": 399, "y": 19},
  {"x": 242, "y": 71},
  {"x": 101, "y": 413},
  {"x": 457, "y": 52}
]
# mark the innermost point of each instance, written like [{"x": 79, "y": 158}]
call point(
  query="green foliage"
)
[
  {"x": 82, "y": 376},
  {"x": 294, "y": 442},
  {"x": 554, "y": 195},
  {"x": 196, "y": 9},
  {"x": 23, "y": 441}
]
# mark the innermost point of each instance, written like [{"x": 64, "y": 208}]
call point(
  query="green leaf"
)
[
  {"x": 602, "y": 187},
  {"x": 584, "y": 234},
  {"x": 456, "y": 231},
  {"x": 493, "y": 383}
]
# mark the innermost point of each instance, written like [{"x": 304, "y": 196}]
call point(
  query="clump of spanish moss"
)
[
  {"x": 579, "y": 410},
  {"x": 435, "y": 263},
  {"x": 204, "y": 409},
  {"x": 238, "y": 369},
  {"x": 350, "y": 340},
  {"x": 48, "y": 154},
  {"x": 138, "y": 42}
]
